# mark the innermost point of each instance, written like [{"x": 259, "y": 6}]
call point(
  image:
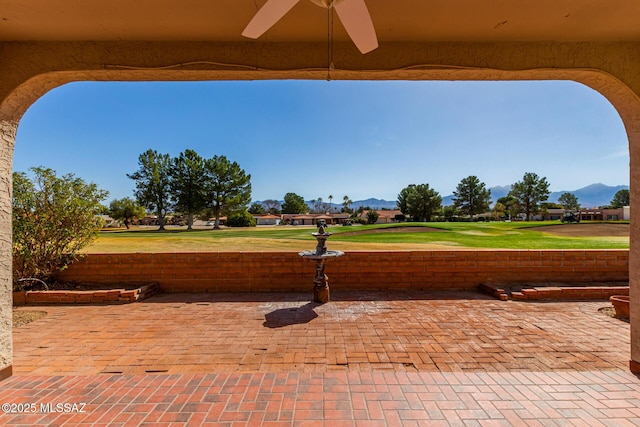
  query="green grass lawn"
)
[
  {"x": 499, "y": 235},
  {"x": 494, "y": 235}
]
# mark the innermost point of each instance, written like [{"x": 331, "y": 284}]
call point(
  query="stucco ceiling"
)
[{"x": 394, "y": 20}]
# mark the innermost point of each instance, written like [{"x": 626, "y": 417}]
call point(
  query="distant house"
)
[
  {"x": 384, "y": 216},
  {"x": 176, "y": 220},
  {"x": 267, "y": 219},
  {"x": 108, "y": 221},
  {"x": 550, "y": 215},
  {"x": 299, "y": 219},
  {"x": 602, "y": 214},
  {"x": 312, "y": 219},
  {"x": 212, "y": 221},
  {"x": 149, "y": 220},
  {"x": 593, "y": 214}
]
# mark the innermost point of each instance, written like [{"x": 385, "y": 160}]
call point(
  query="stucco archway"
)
[{"x": 34, "y": 68}]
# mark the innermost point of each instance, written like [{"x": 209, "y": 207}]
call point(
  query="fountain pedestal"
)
[
  {"x": 320, "y": 284},
  {"x": 321, "y": 255}
]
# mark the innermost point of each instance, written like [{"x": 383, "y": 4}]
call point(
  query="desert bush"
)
[{"x": 53, "y": 218}]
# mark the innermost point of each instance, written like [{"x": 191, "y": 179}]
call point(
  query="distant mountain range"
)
[{"x": 591, "y": 196}]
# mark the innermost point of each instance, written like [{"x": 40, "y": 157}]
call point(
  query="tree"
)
[
  {"x": 330, "y": 201},
  {"x": 318, "y": 205},
  {"x": 346, "y": 204},
  {"x": 620, "y": 199},
  {"x": 403, "y": 198},
  {"x": 569, "y": 201},
  {"x": 256, "y": 209},
  {"x": 294, "y": 204},
  {"x": 188, "y": 182},
  {"x": 499, "y": 210},
  {"x": 471, "y": 196},
  {"x": 450, "y": 213},
  {"x": 510, "y": 205},
  {"x": 241, "y": 219},
  {"x": 228, "y": 186},
  {"x": 126, "y": 209},
  {"x": 53, "y": 218},
  {"x": 272, "y": 206},
  {"x": 372, "y": 216},
  {"x": 530, "y": 192},
  {"x": 419, "y": 202},
  {"x": 153, "y": 180}
]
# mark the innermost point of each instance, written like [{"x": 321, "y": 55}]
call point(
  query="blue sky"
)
[{"x": 316, "y": 138}]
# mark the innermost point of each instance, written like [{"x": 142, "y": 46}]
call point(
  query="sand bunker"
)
[
  {"x": 417, "y": 229},
  {"x": 586, "y": 229}
]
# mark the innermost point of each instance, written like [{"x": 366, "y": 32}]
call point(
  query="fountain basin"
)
[{"x": 313, "y": 255}]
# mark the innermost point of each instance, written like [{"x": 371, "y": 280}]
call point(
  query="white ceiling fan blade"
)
[
  {"x": 357, "y": 21},
  {"x": 267, "y": 16}
]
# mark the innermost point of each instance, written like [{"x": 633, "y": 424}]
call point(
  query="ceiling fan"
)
[{"x": 353, "y": 14}]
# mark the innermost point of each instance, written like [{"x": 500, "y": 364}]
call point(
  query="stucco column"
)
[
  {"x": 7, "y": 140},
  {"x": 634, "y": 250},
  {"x": 626, "y": 99}
]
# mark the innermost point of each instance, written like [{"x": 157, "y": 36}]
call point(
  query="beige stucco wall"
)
[
  {"x": 29, "y": 70},
  {"x": 7, "y": 137}
]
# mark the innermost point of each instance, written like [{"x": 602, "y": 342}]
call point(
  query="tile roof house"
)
[
  {"x": 384, "y": 216},
  {"x": 312, "y": 219},
  {"x": 267, "y": 219}
]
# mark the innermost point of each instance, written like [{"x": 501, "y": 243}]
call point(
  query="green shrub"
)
[
  {"x": 241, "y": 219},
  {"x": 372, "y": 217}
]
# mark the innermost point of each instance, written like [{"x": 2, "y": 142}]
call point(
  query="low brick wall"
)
[
  {"x": 286, "y": 271},
  {"x": 110, "y": 296},
  {"x": 570, "y": 293}
]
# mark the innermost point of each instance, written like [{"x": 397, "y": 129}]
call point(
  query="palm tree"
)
[
  {"x": 330, "y": 199},
  {"x": 346, "y": 203}
]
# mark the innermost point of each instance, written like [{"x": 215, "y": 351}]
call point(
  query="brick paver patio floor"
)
[{"x": 364, "y": 359}]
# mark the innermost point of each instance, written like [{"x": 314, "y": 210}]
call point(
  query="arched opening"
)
[{"x": 621, "y": 107}]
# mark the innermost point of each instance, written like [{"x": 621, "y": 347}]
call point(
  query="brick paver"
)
[
  {"x": 401, "y": 331},
  {"x": 585, "y": 398},
  {"x": 365, "y": 359}
]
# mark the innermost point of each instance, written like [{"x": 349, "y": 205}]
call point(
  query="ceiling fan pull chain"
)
[{"x": 329, "y": 41}]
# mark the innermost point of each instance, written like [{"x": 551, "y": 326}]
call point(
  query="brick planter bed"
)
[
  {"x": 556, "y": 291},
  {"x": 97, "y": 296}
]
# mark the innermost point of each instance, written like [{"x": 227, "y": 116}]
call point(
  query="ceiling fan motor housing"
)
[{"x": 326, "y": 3}]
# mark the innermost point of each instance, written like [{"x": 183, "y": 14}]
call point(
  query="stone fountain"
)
[{"x": 321, "y": 255}]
